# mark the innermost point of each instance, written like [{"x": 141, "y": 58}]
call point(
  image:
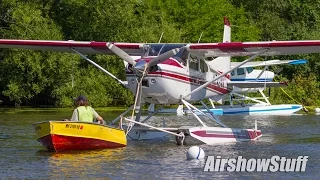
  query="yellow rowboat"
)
[{"x": 69, "y": 135}]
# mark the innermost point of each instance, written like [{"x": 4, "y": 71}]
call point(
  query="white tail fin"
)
[
  {"x": 223, "y": 64},
  {"x": 227, "y": 30}
]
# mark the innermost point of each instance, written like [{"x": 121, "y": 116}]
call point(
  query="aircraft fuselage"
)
[{"x": 173, "y": 80}]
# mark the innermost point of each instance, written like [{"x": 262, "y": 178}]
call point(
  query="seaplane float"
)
[{"x": 171, "y": 74}]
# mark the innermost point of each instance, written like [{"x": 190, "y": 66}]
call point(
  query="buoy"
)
[
  {"x": 317, "y": 110},
  {"x": 195, "y": 152}
]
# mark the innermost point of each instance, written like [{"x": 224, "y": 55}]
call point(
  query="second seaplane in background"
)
[
  {"x": 260, "y": 106},
  {"x": 178, "y": 76}
]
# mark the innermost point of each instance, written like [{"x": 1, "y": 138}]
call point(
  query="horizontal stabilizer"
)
[{"x": 256, "y": 84}]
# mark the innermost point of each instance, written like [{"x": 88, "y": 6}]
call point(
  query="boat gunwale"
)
[{"x": 80, "y": 122}]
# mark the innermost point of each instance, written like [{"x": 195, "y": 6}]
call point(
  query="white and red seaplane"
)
[{"x": 178, "y": 74}]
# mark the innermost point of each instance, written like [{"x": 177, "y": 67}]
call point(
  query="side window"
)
[
  {"x": 240, "y": 71},
  {"x": 194, "y": 64},
  {"x": 203, "y": 66},
  {"x": 249, "y": 69}
]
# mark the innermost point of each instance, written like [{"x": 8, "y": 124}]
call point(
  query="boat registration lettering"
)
[
  {"x": 37, "y": 128},
  {"x": 74, "y": 126}
]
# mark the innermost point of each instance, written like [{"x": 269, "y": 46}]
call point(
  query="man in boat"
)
[{"x": 84, "y": 112}]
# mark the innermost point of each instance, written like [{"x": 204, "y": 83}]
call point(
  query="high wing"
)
[
  {"x": 84, "y": 47},
  {"x": 255, "y": 84},
  {"x": 269, "y": 63},
  {"x": 203, "y": 49},
  {"x": 272, "y": 48}
]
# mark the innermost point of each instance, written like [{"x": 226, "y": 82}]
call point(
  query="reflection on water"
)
[
  {"x": 22, "y": 157},
  {"x": 86, "y": 164}
]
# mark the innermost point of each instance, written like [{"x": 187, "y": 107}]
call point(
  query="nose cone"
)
[{"x": 140, "y": 65}]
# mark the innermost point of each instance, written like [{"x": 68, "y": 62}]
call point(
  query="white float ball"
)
[
  {"x": 195, "y": 152},
  {"x": 317, "y": 110}
]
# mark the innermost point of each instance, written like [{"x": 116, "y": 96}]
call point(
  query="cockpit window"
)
[
  {"x": 194, "y": 64},
  {"x": 157, "y": 49},
  {"x": 249, "y": 69},
  {"x": 203, "y": 66}
]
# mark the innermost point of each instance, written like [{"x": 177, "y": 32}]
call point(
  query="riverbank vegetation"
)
[{"x": 34, "y": 78}]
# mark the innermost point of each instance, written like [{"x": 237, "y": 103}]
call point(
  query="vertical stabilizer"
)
[
  {"x": 223, "y": 64},
  {"x": 227, "y": 30}
]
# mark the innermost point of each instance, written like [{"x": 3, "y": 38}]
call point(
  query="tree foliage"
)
[{"x": 47, "y": 78}]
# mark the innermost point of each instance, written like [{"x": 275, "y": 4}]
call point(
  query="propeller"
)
[
  {"x": 121, "y": 53},
  {"x": 144, "y": 67},
  {"x": 141, "y": 68}
]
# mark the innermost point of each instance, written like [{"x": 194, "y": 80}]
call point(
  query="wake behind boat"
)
[{"x": 70, "y": 135}]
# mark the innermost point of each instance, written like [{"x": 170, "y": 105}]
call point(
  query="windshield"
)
[
  {"x": 157, "y": 49},
  {"x": 249, "y": 69}
]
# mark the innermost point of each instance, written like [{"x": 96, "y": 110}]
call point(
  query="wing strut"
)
[
  {"x": 225, "y": 73},
  {"x": 101, "y": 68}
]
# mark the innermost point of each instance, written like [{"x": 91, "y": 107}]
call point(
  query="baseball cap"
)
[{"x": 81, "y": 98}]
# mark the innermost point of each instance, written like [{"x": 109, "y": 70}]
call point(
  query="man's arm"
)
[
  {"x": 74, "y": 116},
  {"x": 97, "y": 117}
]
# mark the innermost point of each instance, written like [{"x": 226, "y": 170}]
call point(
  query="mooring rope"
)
[
  {"x": 136, "y": 98},
  {"x": 303, "y": 107}
]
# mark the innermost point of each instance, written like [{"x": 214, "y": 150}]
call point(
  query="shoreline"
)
[{"x": 311, "y": 109}]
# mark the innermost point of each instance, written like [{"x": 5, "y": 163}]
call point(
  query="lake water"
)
[{"x": 22, "y": 157}]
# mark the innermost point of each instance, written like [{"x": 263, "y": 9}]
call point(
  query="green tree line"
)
[{"x": 49, "y": 78}]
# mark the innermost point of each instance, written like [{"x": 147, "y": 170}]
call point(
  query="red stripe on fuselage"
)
[
  {"x": 193, "y": 81},
  {"x": 171, "y": 61}
]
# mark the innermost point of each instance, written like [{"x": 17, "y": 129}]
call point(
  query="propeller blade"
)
[
  {"x": 163, "y": 57},
  {"x": 122, "y": 54}
]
